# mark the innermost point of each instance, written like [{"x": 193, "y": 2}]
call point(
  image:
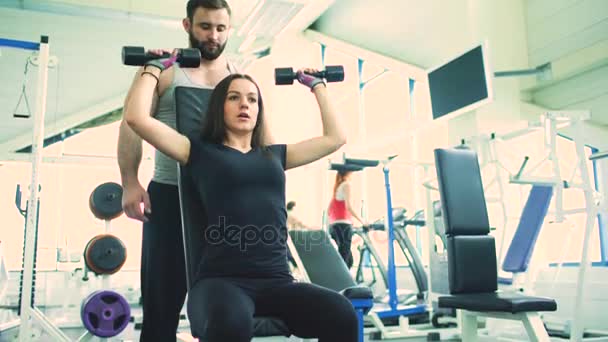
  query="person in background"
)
[
  {"x": 292, "y": 221},
  {"x": 340, "y": 214}
]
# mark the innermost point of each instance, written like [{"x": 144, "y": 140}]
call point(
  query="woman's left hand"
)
[{"x": 306, "y": 78}]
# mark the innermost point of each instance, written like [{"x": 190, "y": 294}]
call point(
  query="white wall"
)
[
  {"x": 557, "y": 28},
  {"x": 573, "y": 37},
  {"x": 588, "y": 90},
  {"x": 89, "y": 76},
  {"x": 502, "y": 23}
]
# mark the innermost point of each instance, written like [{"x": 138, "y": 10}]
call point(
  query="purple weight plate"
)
[{"x": 105, "y": 313}]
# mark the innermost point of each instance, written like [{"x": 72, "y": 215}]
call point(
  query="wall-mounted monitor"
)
[{"x": 462, "y": 84}]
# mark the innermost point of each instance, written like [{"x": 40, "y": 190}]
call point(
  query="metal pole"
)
[
  {"x": 32, "y": 213},
  {"x": 362, "y": 139},
  {"x": 578, "y": 325},
  {"x": 28, "y": 314},
  {"x": 392, "y": 277},
  {"x": 416, "y": 177},
  {"x": 542, "y": 71}
]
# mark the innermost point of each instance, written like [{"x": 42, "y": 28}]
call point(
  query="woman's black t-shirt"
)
[{"x": 244, "y": 198}]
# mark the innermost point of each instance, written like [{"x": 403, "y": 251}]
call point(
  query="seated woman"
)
[{"x": 244, "y": 269}]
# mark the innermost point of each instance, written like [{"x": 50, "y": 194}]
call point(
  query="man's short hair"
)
[
  {"x": 208, "y": 4},
  {"x": 290, "y": 205}
]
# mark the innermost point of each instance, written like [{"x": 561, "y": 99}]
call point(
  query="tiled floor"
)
[{"x": 129, "y": 334}]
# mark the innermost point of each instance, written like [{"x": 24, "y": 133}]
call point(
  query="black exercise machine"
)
[
  {"x": 472, "y": 269},
  {"x": 401, "y": 222}
]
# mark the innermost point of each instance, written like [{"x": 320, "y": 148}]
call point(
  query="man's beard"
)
[{"x": 205, "y": 52}]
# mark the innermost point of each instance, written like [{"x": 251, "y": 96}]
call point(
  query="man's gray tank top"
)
[{"x": 165, "y": 168}]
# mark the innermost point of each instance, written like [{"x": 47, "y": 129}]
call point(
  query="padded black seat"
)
[
  {"x": 357, "y": 292},
  {"x": 512, "y": 302},
  {"x": 269, "y": 326},
  {"x": 189, "y": 108}
]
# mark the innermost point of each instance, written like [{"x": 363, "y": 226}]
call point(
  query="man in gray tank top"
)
[{"x": 163, "y": 278}]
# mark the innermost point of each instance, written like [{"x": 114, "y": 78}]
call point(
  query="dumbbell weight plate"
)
[
  {"x": 284, "y": 76},
  {"x": 189, "y": 58},
  {"x": 334, "y": 73},
  {"x": 133, "y": 55}
]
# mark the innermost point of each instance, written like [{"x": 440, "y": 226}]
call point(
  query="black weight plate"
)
[
  {"x": 334, "y": 73},
  {"x": 189, "y": 58},
  {"x": 105, "y": 254},
  {"x": 283, "y": 76},
  {"x": 105, "y": 201}
]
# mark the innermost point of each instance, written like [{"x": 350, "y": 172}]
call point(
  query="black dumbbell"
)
[
  {"x": 137, "y": 55},
  {"x": 332, "y": 73}
]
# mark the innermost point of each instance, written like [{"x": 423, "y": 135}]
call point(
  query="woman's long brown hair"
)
[{"x": 340, "y": 178}]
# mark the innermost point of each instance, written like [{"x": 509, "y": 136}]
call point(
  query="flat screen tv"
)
[{"x": 462, "y": 84}]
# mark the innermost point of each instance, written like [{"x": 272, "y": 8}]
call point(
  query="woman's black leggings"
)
[
  {"x": 342, "y": 233},
  {"x": 222, "y": 309}
]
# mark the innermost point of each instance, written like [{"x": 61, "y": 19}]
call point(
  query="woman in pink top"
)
[{"x": 340, "y": 213}]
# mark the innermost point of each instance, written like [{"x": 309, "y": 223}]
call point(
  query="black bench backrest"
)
[
  {"x": 189, "y": 109},
  {"x": 471, "y": 250}
]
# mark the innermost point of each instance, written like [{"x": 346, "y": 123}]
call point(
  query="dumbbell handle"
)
[
  {"x": 135, "y": 55},
  {"x": 151, "y": 56},
  {"x": 332, "y": 73},
  {"x": 319, "y": 74},
  {"x": 143, "y": 59}
]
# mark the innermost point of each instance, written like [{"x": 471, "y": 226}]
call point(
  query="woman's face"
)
[{"x": 241, "y": 106}]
